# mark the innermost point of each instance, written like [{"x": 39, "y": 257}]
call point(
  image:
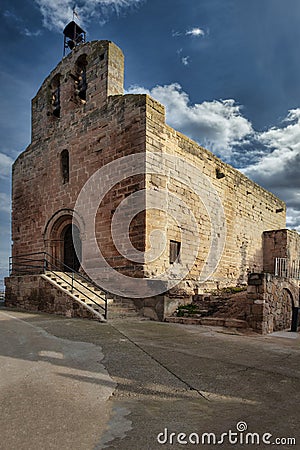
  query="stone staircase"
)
[
  {"x": 80, "y": 290},
  {"x": 224, "y": 310},
  {"x": 91, "y": 297},
  {"x": 122, "y": 308}
]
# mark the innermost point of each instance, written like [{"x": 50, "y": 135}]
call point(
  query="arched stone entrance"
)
[
  {"x": 62, "y": 237},
  {"x": 283, "y": 316},
  {"x": 71, "y": 247},
  {"x": 283, "y": 302},
  {"x": 272, "y": 302}
]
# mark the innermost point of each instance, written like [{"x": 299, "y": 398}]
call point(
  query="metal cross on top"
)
[{"x": 75, "y": 14}]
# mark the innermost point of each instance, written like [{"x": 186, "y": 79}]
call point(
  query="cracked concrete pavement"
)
[{"x": 78, "y": 384}]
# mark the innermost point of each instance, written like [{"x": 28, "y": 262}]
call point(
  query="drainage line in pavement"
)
[{"x": 192, "y": 388}]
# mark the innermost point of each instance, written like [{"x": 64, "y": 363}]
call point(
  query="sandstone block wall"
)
[
  {"x": 102, "y": 129},
  {"x": 280, "y": 244},
  {"x": 249, "y": 209},
  {"x": 270, "y": 301},
  {"x": 33, "y": 293},
  {"x": 104, "y": 74}
]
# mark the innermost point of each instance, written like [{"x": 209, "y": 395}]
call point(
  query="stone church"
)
[{"x": 110, "y": 204}]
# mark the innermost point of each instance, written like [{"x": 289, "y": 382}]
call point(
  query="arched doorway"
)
[
  {"x": 63, "y": 234},
  {"x": 71, "y": 247},
  {"x": 284, "y": 319},
  {"x": 291, "y": 295}
]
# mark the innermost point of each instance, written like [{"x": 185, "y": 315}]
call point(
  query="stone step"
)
[
  {"x": 96, "y": 307},
  {"x": 211, "y": 321},
  {"x": 115, "y": 314},
  {"x": 122, "y": 308},
  {"x": 83, "y": 288},
  {"x": 82, "y": 299},
  {"x": 123, "y": 302},
  {"x": 89, "y": 295},
  {"x": 116, "y": 309}
]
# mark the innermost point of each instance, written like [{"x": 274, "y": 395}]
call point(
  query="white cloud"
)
[
  {"x": 280, "y": 166},
  {"x": 20, "y": 24},
  {"x": 271, "y": 158},
  {"x": 292, "y": 219},
  {"x": 57, "y": 13},
  {"x": 29, "y": 33},
  {"x": 176, "y": 33},
  {"x": 217, "y": 125},
  {"x": 5, "y": 165},
  {"x": 185, "y": 60},
  {"x": 5, "y": 204},
  {"x": 197, "y": 32}
]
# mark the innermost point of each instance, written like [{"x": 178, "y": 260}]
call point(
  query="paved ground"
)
[{"x": 75, "y": 384}]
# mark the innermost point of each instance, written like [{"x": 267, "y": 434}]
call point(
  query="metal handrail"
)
[
  {"x": 25, "y": 264},
  {"x": 287, "y": 269}
]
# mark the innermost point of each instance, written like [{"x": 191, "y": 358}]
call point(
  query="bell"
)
[{"x": 70, "y": 44}]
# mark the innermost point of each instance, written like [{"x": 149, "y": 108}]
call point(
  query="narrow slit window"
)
[
  {"x": 65, "y": 170},
  {"x": 175, "y": 247}
]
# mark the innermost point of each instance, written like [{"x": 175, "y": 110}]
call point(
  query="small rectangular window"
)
[{"x": 175, "y": 247}]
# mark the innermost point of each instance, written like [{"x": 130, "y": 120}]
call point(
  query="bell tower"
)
[
  {"x": 73, "y": 35},
  {"x": 80, "y": 84}
]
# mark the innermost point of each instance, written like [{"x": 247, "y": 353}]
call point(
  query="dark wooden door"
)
[{"x": 71, "y": 256}]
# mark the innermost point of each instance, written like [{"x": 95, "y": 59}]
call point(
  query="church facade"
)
[{"x": 168, "y": 210}]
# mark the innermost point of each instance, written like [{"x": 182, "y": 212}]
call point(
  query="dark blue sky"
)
[{"x": 192, "y": 55}]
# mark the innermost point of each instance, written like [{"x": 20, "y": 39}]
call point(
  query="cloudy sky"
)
[{"x": 228, "y": 72}]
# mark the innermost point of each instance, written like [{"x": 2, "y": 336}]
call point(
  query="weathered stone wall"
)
[
  {"x": 101, "y": 129},
  {"x": 280, "y": 244},
  {"x": 105, "y": 75},
  {"x": 156, "y": 308},
  {"x": 249, "y": 209},
  {"x": 105, "y": 127},
  {"x": 270, "y": 301},
  {"x": 33, "y": 293}
]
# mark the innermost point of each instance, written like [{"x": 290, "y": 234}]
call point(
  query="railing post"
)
[
  {"x": 45, "y": 264},
  {"x": 72, "y": 282},
  {"x": 276, "y": 267}
]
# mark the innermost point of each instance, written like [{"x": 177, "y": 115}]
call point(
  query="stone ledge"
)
[{"x": 212, "y": 321}]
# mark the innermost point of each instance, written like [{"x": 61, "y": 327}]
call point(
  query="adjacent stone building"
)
[{"x": 193, "y": 223}]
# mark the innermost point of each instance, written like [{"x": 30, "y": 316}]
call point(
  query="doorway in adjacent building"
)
[{"x": 71, "y": 247}]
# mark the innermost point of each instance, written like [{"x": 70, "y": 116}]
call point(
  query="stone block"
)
[
  {"x": 43, "y": 297},
  {"x": 252, "y": 289},
  {"x": 235, "y": 323},
  {"x": 257, "y": 309},
  {"x": 215, "y": 321},
  {"x": 150, "y": 313}
]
